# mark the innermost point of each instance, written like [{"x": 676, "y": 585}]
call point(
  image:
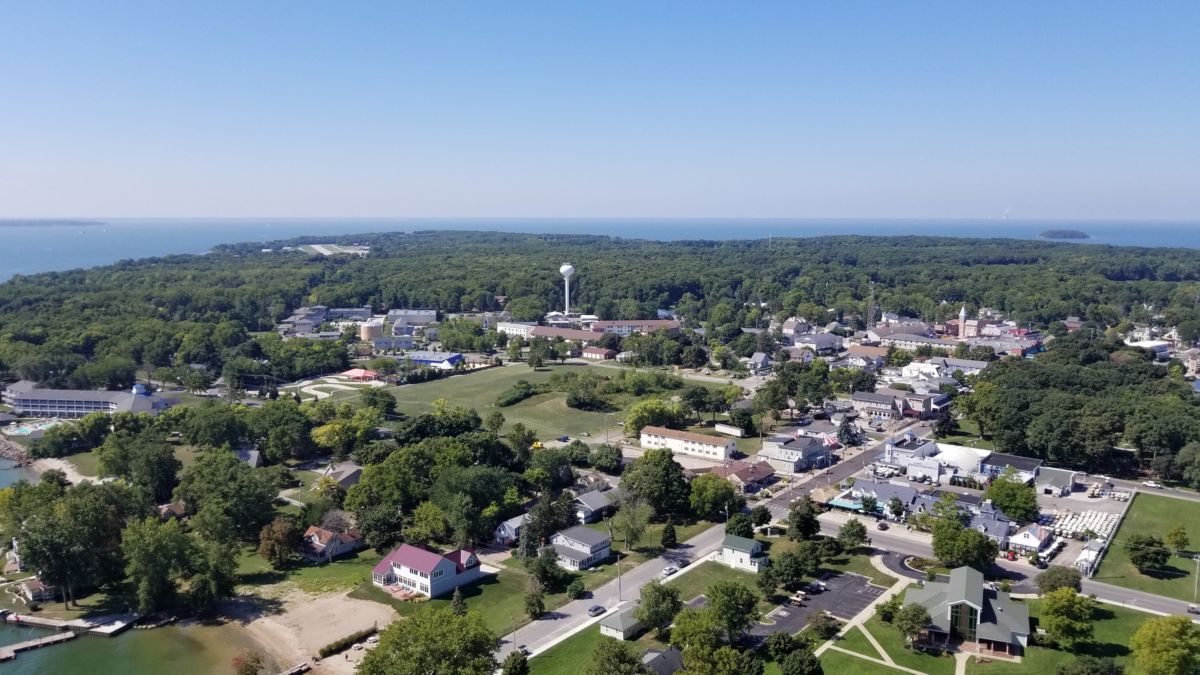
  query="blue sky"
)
[{"x": 657, "y": 109}]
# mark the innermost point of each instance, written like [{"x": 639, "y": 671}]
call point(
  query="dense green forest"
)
[{"x": 94, "y": 327}]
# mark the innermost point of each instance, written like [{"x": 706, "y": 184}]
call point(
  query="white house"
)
[
  {"x": 792, "y": 454},
  {"x": 414, "y": 570},
  {"x": 581, "y": 547},
  {"x": 621, "y": 625},
  {"x": 1031, "y": 539},
  {"x": 741, "y": 553},
  {"x": 687, "y": 443}
]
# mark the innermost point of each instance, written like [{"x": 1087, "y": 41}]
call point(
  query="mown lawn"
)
[
  {"x": 87, "y": 463},
  {"x": 1154, "y": 515},
  {"x": 855, "y": 641},
  {"x": 893, "y": 643},
  {"x": 837, "y": 663},
  {"x": 697, "y": 581},
  {"x": 856, "y": 563},
  {"x": 499, "y": 599},
  {"x": 967, "y": 433},
  {"x": 546, "y": 414},
  {"x": 342, "y": 574},
  {"x": 568, "y": 657},
  {"x": 1113, "y": 627}
]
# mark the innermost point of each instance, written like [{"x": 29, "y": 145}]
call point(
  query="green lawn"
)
[
  {"x": 650, "y": 544},
  {"x": 568, "y": 657},
  {"x": 857, "y": 642},
  {"x": 696, "y": 581},
  {"x": 340, "y": 575},
  {"x": 1113, "y": 627},
  {"x": 893, "y": 643},
  {"x": 499, "y": 599},
  {"x": 546, "y": 414},
  {"x": 87, "y": 463},
  {"x": 1154, "y": 515},
  {"x": 837, "y": 663},
  {"x": 857, "y": 563},
  {"x": 967, "y": 433}
]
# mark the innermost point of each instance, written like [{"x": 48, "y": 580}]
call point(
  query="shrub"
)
[
  {"x": 342, "y": 644},
  {"x": 575, "y": 589}
]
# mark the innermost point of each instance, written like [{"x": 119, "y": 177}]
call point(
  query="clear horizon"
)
[{"x": 938, "y": 111}]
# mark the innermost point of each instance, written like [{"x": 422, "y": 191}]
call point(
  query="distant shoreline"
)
[{"x": 50, "y": 223}]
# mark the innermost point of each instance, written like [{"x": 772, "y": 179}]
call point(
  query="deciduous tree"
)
[
  {"x": 433, "y": 640},
  {"x": 1168, "y": 645}
]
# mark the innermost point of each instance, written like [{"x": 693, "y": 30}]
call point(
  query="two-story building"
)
[
  {"x": 581, "y": 547},
  {"x": 793, "y": 454},
  {"x": 322, "y": 545},
  {"x": 415, "y": 570},
  {"x": 744, "y": 554},
  {"x": 703, "y": 446}
]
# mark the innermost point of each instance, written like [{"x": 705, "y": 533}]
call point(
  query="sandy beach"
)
[
  {"x": 73, "y": 475},
  {"x": 306, "y": 623}
]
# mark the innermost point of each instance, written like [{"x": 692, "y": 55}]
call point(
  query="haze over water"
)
[{"x": 29, "y": 250}]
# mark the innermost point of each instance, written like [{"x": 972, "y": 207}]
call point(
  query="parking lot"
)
[{"x": 845, "y": 595}]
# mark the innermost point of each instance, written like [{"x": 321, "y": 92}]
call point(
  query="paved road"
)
[
  {"x": 538, "y": 635},
  {"x": 898, "y": 540}
]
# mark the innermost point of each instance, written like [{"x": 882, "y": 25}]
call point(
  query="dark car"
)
[
  {"x": 524, "y": 650},
  {"x": 881, "y": 525},
  {"x": 564, "y": 439},
  {"x": 596, "y": 610}
]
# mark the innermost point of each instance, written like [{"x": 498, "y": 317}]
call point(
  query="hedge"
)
[{"x": 345, "y": 643}]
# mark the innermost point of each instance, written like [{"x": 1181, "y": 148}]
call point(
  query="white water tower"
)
[{"x": 566, "y": 271}]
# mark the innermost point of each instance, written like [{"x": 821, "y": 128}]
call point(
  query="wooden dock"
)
[{"x": 9, "y": 652}]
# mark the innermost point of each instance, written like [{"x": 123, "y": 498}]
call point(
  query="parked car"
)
[
  {"x": 595, "y": 610},
  {"x": 669, "y": 570},
  {"x": 524, "y": 650},
  {"x": 881, "y": 525},
  {"x": 1193, "y": 609}
]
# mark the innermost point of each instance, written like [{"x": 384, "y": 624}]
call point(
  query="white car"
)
[
  {"x": 1152, "y": 484},
  {"x": 669, "y": 570}
]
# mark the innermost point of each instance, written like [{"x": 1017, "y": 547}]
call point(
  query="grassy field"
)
[
  {"x": 340, "y": 575},
  {"x": 857, "y": 563},
  {"x": 88, "y": 463},
  {"x": 546, "y": 414},
  {"x": 967, "y": 433},
  {"x": 837, "y": 663},
  {"x": 1154, "y": 515},
  {"x": 893, "y": 643},
  {"x": 1113, "y": 627},
  {"x": 856, "y": 641},
  {"x": 568, "y": 657}
]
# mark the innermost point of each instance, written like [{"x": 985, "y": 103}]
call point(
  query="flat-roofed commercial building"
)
[{"x": 28, "y": 400}]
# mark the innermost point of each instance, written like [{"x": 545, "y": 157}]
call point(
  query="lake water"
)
[
  {"x": 172, "y": 649},
  {"x": 27, "y": 250},
  {"x": 11, "y": 472}
]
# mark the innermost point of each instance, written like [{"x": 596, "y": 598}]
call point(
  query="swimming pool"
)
[{"x": 30, "y": 428}]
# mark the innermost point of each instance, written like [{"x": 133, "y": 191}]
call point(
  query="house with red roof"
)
[
  {"x": 415, "y": 570},
  {"x": 322, "y": 545}
]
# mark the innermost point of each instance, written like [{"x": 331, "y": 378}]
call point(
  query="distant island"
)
[
  {"x": 49, "y": 223},
  {"x": 1064, "y": 234}
]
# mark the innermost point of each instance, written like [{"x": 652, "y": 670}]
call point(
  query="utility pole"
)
[{"x": 608, "y": 523}]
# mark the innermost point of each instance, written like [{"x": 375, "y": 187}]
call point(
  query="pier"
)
[{"x": 9, "y": 652}]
